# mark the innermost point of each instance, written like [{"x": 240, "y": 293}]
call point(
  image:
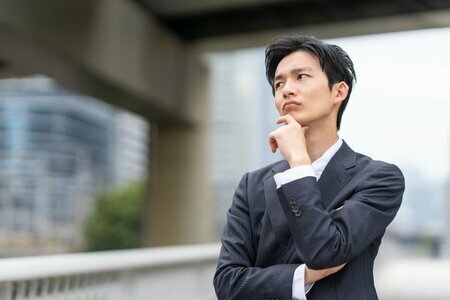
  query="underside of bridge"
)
[
  {"x": 202, "y": 19},
  {"x": 147, "y": 56}
]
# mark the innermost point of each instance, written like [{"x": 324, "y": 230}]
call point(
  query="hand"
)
[
  {"x": 312, "y": 276},
  {"x": 290, "y": 139}
]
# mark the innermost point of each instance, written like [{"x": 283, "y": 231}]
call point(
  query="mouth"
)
[{"x": 289, "y": 105}]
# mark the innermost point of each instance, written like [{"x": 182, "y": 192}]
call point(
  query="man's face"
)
[{"x": 301, "y": 90}]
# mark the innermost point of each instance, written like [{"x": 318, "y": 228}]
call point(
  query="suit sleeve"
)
[
  {"x": 329, "y": 238},
  {"x": 236, "y": 276}
]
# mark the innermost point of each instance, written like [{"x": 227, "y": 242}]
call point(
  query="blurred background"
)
[{"x": 128, "y": 124}]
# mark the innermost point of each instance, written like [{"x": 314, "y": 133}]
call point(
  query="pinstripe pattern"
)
[{"x": 270, "y": 232}]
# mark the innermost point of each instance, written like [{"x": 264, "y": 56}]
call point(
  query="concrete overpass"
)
[{"x": 147, "y": 56}]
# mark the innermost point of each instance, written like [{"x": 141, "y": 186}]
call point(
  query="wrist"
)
[
  {"x": 307, "y": 277},
  {"x": 296, "y": 162}
]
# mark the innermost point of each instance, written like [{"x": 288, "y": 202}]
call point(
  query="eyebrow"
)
[{"x": 293, "y": 71}]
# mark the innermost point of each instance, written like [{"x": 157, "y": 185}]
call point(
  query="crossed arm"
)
[
  {"x": 323, "y": 239},
  {"x": 236, "y": 276},
  {"x": 312, "y": 276}
]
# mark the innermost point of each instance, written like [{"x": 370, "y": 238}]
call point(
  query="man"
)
[{"x": 313, "y": 222}]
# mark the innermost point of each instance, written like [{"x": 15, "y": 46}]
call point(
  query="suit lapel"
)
[{"x": 336, "y": 174}]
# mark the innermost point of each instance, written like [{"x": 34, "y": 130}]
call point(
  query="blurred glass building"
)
[
  {"x": 242, "y": 114},
  {"x": 57, "y": 149}
]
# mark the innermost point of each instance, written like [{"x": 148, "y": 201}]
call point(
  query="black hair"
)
[{"x": 334, "y": 61}]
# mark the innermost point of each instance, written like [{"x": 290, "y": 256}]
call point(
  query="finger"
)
[
  {"x": 337, "y": 268},
  {"x": 273, "y": 144},
  {"x": 288, "y": 119},
  {"x": 280, "y": 120}
]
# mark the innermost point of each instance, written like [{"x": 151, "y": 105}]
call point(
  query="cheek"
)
[{"x": 278, "y": 104}]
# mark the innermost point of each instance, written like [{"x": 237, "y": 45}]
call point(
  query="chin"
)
[{"x": 299, "y": 118}]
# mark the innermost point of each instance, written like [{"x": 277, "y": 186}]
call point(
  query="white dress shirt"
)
[{"x": 299, "y": 289}]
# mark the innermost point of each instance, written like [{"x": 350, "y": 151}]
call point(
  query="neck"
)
[{"x": 319, "y": 140}]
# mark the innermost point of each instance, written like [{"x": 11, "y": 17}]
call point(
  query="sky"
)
[{"x": 399, "y": 109}]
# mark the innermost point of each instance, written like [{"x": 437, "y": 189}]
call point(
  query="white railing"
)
[
  {"x": 414, "y": 279},
  {"x": 180, "y": 272}
]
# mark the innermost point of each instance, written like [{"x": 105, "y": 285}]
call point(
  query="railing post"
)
[{"x": 5, "y": 290}]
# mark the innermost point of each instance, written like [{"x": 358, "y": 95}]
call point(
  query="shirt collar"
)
[{"x": 320, "y": 163}]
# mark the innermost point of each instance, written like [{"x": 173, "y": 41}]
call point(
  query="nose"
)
[{"x": 288, "y": 89}]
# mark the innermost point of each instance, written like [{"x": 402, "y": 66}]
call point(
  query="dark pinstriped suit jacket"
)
[{"x": 270, "y": 232}]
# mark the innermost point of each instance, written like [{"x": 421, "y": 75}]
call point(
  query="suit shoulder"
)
[{"x": 370, "y": 164}]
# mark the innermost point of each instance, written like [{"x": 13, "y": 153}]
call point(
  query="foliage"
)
[{"x": 115, "y": 221}]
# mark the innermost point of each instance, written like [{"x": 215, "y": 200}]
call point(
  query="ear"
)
[{"x": 340, "y": 91}]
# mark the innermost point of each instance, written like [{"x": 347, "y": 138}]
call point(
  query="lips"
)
[{"x": 289, "y": 104}]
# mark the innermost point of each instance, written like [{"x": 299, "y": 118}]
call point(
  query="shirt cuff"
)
[
  {"x": 299, "y": 289},
  {"x": 293, "y": 174}
]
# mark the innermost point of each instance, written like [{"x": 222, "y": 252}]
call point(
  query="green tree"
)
[{"x": 115, "y": 221}]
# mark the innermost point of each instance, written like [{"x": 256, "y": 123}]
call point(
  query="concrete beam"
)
[
  {"x": 423, "y": 20},
  {"x": 110, "y": 49}
]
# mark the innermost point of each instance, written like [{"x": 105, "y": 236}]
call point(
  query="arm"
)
[
  {"x": 236, "y": 277},
  {"x": 325, "y": 239},
  {"x": 304, "y": 278},
  {"x": 312, "y": 276}
]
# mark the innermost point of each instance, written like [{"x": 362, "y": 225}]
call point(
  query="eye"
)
[
  {"x": 278, "y": 85},
  {"x": 302, "y": 76}
]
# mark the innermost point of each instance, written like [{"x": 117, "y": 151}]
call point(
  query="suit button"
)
[{"x": 294, "y": 207}]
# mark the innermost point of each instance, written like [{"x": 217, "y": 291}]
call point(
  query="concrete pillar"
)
[{"x": 180, "y": 203}]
